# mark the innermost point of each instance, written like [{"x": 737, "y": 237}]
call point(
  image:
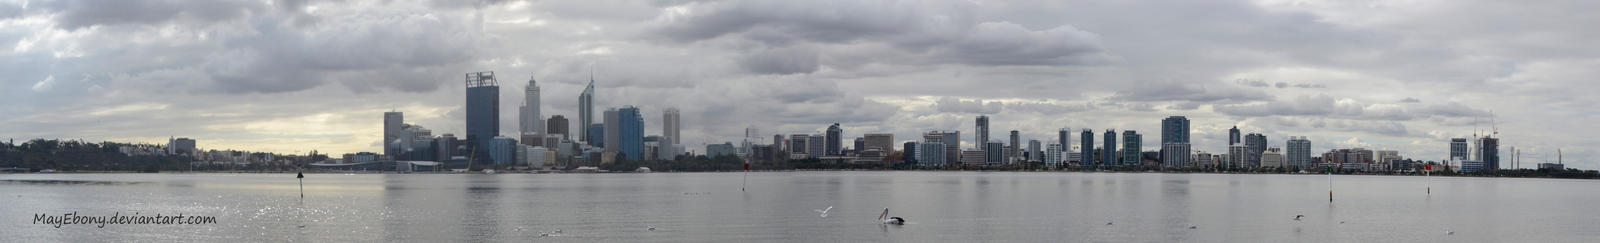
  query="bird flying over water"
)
[{"x": 823, "y": 212}]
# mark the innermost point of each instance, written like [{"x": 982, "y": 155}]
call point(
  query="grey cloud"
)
[
  {"x": 1184, "y": 106},
  {"x": 1310, "y": 86},
  {"x": 75, "y": 14},
  {"x": 1254, "y": 83},
  {"x": 946, "y": 33},
  {"x": 789, "y": 60},
  {"x": 956, "y": 105},
  {"x": 1410, "y": 100},
  {"x": 1189, "y": 92},
  {"x": 1327, "y": 106},
  {"x": 1045, "y": 108},
  {"x": 1281, "y": 85}
]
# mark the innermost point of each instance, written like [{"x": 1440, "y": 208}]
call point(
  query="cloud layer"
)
[{"x": 291, "y": 75}]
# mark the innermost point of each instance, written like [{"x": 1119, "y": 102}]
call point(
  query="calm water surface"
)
[{"x": 779, "y": 206}]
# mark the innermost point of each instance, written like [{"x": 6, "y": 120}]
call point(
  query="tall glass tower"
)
[
  {"x": 586, "y": 110},
  {"x": 630, "y": 141},
  {"x": 1087, "y": 153},
  {"x": 483, "y": 112}
]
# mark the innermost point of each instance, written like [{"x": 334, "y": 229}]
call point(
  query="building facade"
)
[{"x": 483, "y": 111}]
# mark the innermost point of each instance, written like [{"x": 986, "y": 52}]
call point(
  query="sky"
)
[{"x": 292, "y": 76}]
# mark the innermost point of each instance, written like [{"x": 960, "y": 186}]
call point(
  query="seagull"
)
[
  {"x": 1298, "y": 216},
  {"x": 652, "y": 228},
  {"x": 1193, "y": 227},
  {"x": 890, "y": 220},
  {"x": 824, "y": 212},
  {"x": 1108, "y": 222}
]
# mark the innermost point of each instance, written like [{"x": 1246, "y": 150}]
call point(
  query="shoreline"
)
[{"x": 771, "y": 171}]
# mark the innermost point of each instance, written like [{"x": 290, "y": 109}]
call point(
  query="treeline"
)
[{"x": 73, "y": 155}]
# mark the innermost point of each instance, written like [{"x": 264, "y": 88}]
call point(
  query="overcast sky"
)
[{"x": 292, "y": 76}]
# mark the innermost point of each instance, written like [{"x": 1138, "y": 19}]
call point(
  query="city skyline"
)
[{"x": 1077, "y": 70}]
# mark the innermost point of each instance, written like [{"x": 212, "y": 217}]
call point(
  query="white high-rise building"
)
[
  {"x": 1298, "y": 152},
  {"x": 529, "y": 118},
  {"x": 1052, "y": 155}
]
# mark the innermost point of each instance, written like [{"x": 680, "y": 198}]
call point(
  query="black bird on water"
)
[{"x": 1298, "y": 216}]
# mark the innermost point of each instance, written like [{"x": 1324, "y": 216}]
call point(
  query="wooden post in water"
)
[
  {"x": 746, "y": 181},
  {"x": 1330, "y": 185}
]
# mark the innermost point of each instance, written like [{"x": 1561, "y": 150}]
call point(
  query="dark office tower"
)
[
  {"x": 983, "y": 132},
  {"x": 860, "y": 144},
  {"x": 630, "y": 140},
  {"x": 483, "y": 112},
  {"x": 1109, "y": 155},
  {"x": 1233, "y": 135},
  {"x": 1086, "y": 153},
  {"x": 1175, "y": 129},
  {"x": 557, "y": 124},
  {"x": 1061, "y": 138},
  {"x": 1255, "y": 144},
  {"x": 597, "y": 135},
  {"x": 833, "y": 140},
  {"x": 1132, "y": 147},
  {"x": 993, "y": 153},
  {"x": 1489, "y": 152},
  {"x": 1016, "y": 146},
  {"x": 910, "y": 152}
]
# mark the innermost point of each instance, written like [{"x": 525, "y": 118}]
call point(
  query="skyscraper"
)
[
  {"x": 1458, "y": 149},
  {"x": 612, "y": 135},
  {"x": 557, "y": 124},
  {"x": 1298, "y": 152},
  {"x": 671, "y": 126},
  {"x": 982, "y": 131},
  {"x": 1016, "y": 146},
  {"x": 391, "y": 131},
  {"x": 586, "y": 110},
  {"x": 816, "y": 145},
  {"x": 1131, "y": 148},
  {"x": 483, "y": 112},
  {"x": 1087, "y": 153},
  {"x": 1109, "y": 156},
  {"x": 1489, "y": 152},
  {"x": 1035, "y": 151},
  {"x": 1233, "y": 135},
  {"x": 1175, "y": 155},
  {"x": 993, "y": 152},
  {"x": 529, "y": 119},
  {"x": 952, "y": 145},
  {"x": 597, "y": 135},
  {"x": 1256, "y": 144},
  {"x": 1175, "y": 129},
  {"x": 834, "y": 139},
  {"x": 1236, "y": 155},
  {"x": 1062, "y": 137},
  {"x": 631, "y": 139}
]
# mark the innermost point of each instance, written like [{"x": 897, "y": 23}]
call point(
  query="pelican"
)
[
  {"x": 890, "y": 220},
  {"x": 824, "y": 212},
  {"x": 1297, "y": 217}
]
